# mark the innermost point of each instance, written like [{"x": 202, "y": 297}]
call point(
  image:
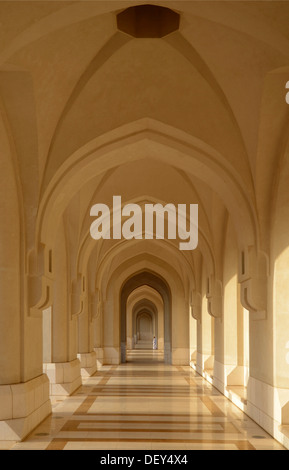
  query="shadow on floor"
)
[{"x": 144, "y": 356}]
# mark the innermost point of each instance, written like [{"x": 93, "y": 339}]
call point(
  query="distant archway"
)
[
  {"x": 145, "y": 326},
  {"x": 159, "y": 284}
]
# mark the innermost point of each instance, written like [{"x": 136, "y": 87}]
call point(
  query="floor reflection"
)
[{"x": 146, "y": 404}]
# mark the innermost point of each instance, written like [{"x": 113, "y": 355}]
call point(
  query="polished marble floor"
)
[{"x": 146, "y": 404}]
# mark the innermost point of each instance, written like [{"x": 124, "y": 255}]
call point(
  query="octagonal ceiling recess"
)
[{"x": 148, "y": 21}]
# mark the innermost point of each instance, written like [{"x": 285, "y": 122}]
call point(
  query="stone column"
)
[
  {"x": 228, "y": 366},
  {"x": 205, "y": 358},
  {"x": 24, "y": 389},
  {"x": 111, "y": 344},
  {"x": 98, "y": 332},
  {"x": 61, "y": 363},
  {"x": 180, "y": 330},
  {"x": 86, "y": 354}
]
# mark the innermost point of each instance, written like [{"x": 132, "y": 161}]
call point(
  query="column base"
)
[
  {"x": 87, "y": 363},
  {"x": 228, "y": 375},
  {"x": 180, "y": 357},
  {"x": 99, "y": 357},
  {"x": 111, "y": 356},
  {"x": 64, "y": 377},
  {"x": 23, "y": 407}
]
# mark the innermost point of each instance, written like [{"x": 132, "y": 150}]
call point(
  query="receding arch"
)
[
  {"x": 164, "y": 143},
  {"x": 155, "y": 281},
  {"x": 145, "y": 298}
]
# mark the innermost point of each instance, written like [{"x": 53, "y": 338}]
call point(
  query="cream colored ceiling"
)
[{"x": 79, "y": 97}]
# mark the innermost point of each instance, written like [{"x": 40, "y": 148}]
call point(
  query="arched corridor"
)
[{"x": 144, "y": 223}]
